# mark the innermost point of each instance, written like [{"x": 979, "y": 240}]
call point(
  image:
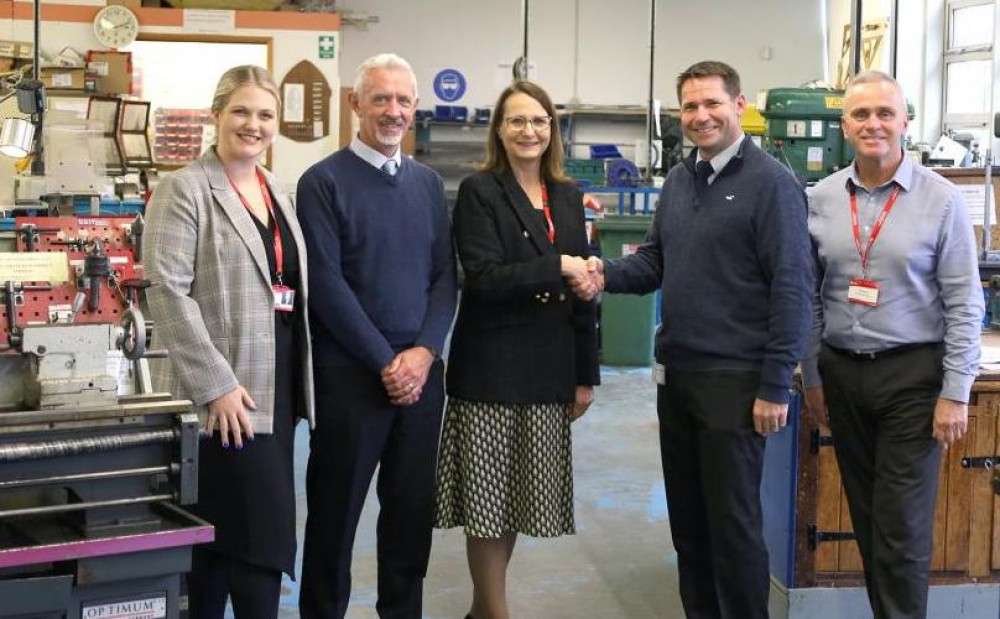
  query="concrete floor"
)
[{"x": 619, "y": 564}]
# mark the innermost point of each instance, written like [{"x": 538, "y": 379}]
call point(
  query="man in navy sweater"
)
[
  {"x": 380, "y": 255},
  {"x": 730, "y": 248}
]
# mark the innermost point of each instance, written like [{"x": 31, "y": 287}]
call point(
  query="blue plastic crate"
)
[
  {"x": 451, "y": 113},
  {"x": 110, "y": 208},
  {"x": 482, "y": 116},
  {"x": 604, "y": 151}
]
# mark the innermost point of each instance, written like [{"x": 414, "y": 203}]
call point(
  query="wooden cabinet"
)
[{"x": 967, "y": 516}]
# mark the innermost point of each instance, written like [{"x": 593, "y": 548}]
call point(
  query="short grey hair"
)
[
  {"x": 874, "y": 77},
  {"x": 382, "y": 61}
]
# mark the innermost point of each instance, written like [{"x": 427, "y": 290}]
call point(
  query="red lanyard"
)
[
  {"x": 863, "y": 252},
  {"x": 278, "y": 250},
  {"x": 548, "y": 215}
]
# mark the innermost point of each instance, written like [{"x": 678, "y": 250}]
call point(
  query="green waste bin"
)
[{"x": 628, "y": 321}]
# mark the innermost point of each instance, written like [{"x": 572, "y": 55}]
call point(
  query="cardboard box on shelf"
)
[
  {"x": 61, "y": 77},
  {"x": 16, "y": 49},
  {"x": 112, "y": 69}
]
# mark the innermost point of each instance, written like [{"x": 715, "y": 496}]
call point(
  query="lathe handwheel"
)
[{"x": 133, "y": 342}]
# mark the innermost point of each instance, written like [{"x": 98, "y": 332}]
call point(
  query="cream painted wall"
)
[
  {"x": 290, "y": 158},
  {"x": 475, "y": 36}
]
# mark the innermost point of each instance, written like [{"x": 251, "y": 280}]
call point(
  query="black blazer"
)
[{"x": 521, "y": 336}]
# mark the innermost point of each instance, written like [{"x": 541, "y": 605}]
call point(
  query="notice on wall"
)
[
  {"x": 207, "y": 21},
  {"x": 33, "y": 267},
  {"x": 975, "y": 199},
  {"x": 327, "y": 46},
  {"x": 814, "y": 158},
  {"x": 292, "y": 108}
]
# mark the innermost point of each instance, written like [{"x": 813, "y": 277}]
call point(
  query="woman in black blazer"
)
[{"x": 523, "y": 358}]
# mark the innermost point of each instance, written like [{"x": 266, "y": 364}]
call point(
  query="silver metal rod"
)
[
  {"x": 576, "y": 52},
  {"x": 893, "y": 36},
  {"x": 824, "y": 25},
  {"x": 98, "y": 476},
  {"x": 525, "y": 9},
  {"x": 857, "y": 27},
  {"x": 16, "y": 452},
  {"x": 38, "y": 161},
  {"x": 36, "y": 22},
  {"x": 75, "y": 507},
  {"x": 651, "y": 108},
  {"x": 987, "y": 214},
  {"x": 127, "y": 406}
]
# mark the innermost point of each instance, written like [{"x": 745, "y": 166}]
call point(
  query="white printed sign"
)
[{"x": 146, "y": 608}]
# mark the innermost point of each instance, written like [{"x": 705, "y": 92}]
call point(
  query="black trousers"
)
[
  {"x": 881, "y": 417},
  {"x": 357, "y": 430},
  {"x": 712, "y": 463},
  {"x": 255, "y": 591}
]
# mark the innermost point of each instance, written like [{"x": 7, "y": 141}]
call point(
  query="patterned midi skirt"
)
[{"x": 506, "y": 468}]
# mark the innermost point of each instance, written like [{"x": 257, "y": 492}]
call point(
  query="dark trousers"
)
[
  {"x": 214, "y": 577},
  {"x": 357, "y": 430},
  {"x": 712, "y": 463},
  {"x": 881, "y": 417}
]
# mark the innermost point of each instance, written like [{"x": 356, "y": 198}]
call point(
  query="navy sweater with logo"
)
[
  {"x": 380, "y": 257},
  {"x": 733, "y": 261}
]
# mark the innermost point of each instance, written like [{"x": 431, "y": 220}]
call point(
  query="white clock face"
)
[{"x": 116, "y": 26}]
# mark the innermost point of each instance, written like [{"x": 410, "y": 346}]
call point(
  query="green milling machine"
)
[{"x": 803, "y": 130}]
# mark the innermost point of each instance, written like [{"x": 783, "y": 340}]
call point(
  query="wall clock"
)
[{"x": 116, "y": 26}]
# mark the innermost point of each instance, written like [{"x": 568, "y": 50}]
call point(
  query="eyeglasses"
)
[{"x": 520, "y": 123}]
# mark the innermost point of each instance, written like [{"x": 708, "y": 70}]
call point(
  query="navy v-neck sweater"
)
[
  {"x": 734, "y": 262},
  {"x": 381, "y": 263}
]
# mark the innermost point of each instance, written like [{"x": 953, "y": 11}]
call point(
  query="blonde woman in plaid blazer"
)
[{"x": 224, "y": 248}]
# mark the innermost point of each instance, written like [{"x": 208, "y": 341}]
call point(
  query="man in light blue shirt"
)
[{"x": 895, "y": 344}]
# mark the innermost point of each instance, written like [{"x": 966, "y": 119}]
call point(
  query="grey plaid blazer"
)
[{"x": 211, "y": 300}]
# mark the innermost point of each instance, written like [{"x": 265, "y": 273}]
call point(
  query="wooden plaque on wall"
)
[{"x": 305, "y": 104}]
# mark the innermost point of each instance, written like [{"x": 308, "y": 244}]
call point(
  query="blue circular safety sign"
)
[{"x": 449, "y": 85}]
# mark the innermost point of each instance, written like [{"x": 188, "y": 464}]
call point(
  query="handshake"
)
[{"x": 586, "y": 277}]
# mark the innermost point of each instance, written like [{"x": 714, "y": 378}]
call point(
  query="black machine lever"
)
[{"x": 13, "y": 297}]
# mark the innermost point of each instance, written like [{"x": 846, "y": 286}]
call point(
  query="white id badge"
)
[
  {"x": 862, "y": 292},
  {"x": 284, "y": 298},
  {"x": 659, "y": 374}
]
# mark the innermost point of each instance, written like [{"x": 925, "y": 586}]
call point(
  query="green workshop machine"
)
[{"x": 803, "y": 130}]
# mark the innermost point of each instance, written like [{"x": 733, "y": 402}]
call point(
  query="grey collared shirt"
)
[
  {"x": 372, "y": 156},
  {"x": 924, "y": 262},
  {"x": 719, "y": 161}
]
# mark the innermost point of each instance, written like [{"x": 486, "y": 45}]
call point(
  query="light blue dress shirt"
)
[
  {"x": 719, "y": 161},
  {"x": 924, "y": 262},
  {"x": 372, "y": 156}
]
